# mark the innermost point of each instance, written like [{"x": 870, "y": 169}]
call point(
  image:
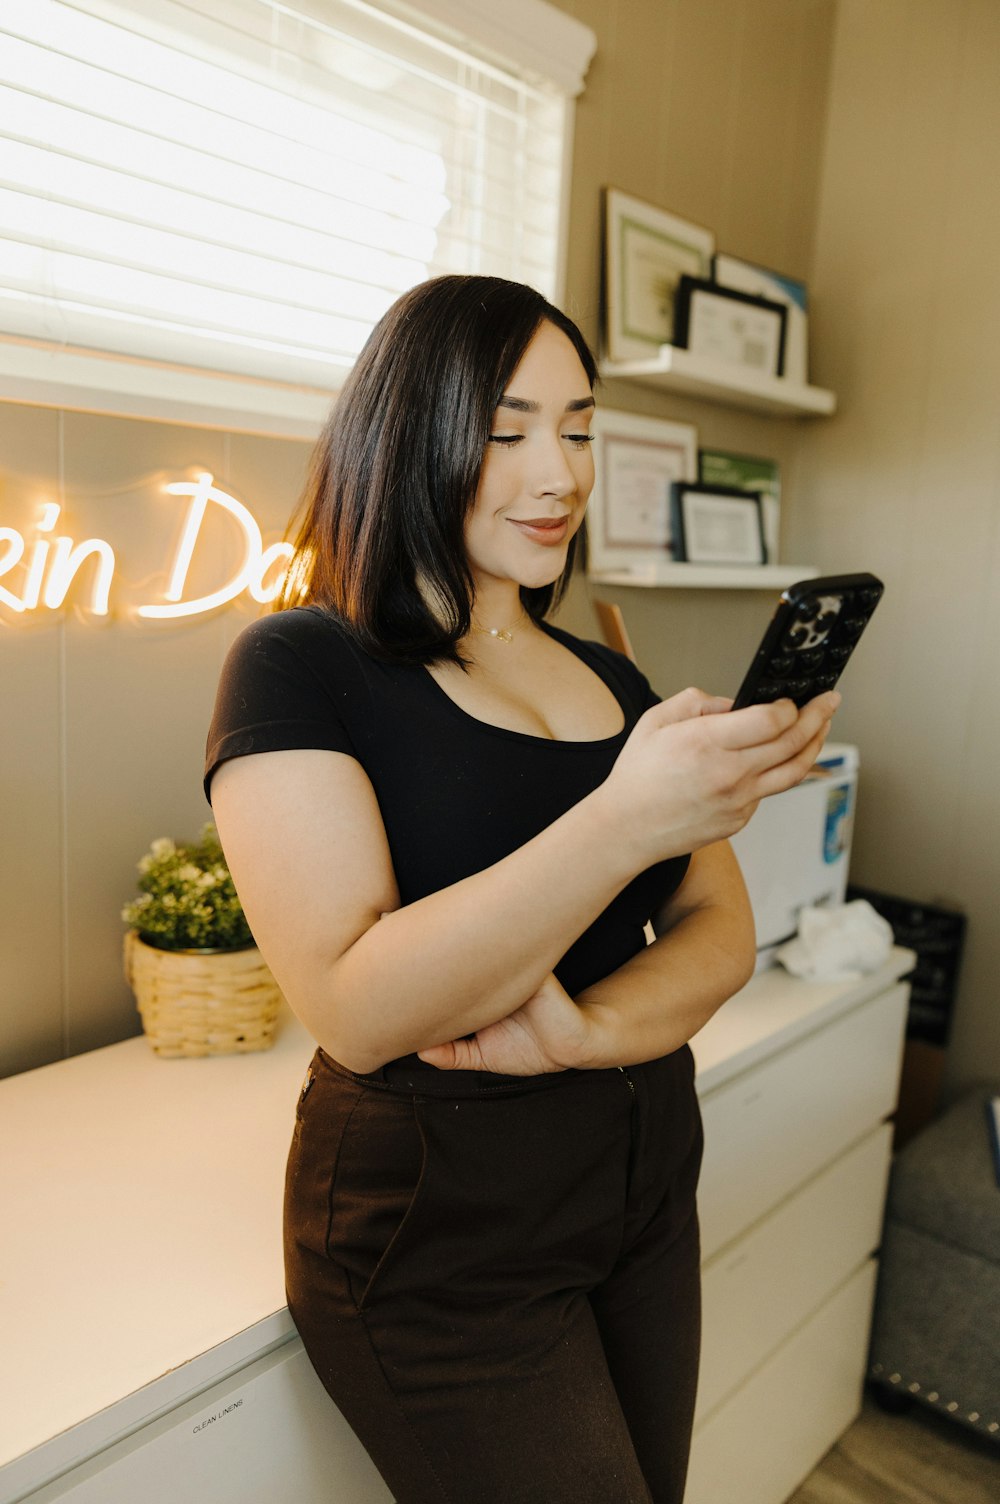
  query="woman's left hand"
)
[{"x": 547, "y": 1033}]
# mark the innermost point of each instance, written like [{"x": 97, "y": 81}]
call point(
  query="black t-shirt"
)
[{"x": 455, "y": 793}]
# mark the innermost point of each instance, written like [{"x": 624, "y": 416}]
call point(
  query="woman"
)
[{"x": 449, "y": 823}]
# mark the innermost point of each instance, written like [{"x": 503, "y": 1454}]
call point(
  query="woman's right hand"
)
[{"x": 689, "y": 775}]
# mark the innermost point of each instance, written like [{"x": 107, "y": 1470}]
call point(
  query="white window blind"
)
[{"x": 245, "y": 186}]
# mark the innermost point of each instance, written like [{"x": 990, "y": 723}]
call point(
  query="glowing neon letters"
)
[
  {"x": 67, "y": 558},
  {"x": 52, "y": 563}
]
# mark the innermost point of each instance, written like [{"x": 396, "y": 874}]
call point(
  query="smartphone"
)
[{"x": 811, "y": 635}]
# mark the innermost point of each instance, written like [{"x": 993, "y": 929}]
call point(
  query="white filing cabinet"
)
[
  {"x": 796, "y": 1161},
  {"x": 148, "y": 1353}
]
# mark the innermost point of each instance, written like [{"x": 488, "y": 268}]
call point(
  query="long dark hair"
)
[{"x": 395, "y": 470}]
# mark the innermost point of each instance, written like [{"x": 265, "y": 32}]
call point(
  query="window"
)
[{"x": 244, "y": 186}]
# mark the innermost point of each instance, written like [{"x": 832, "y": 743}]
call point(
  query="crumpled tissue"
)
[{"x": 837, "y": 944}]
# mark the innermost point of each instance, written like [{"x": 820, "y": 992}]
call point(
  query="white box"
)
[{"x": 796, "y": 850}]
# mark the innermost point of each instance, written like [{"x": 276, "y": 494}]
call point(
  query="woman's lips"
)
[{"x": 545, "y": 530}]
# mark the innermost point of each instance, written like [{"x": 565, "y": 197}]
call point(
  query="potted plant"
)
[{"x": 201, "y": 985}]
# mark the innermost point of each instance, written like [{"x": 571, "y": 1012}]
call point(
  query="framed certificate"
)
[
  {"x": 636, "y": 460},
  {"x": 745, "y": 276},
  {"x": 715, "y": 525},
  {"x": 646, "y": 250},
  {"x": 734, "y": 327},
  {"x": 747, "y": 472}
]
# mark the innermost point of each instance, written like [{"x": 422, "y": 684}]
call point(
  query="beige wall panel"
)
[
  {"x": 702, "y": 120},
  {"x": 713, "y": 111},
  {"x": 974, "y": 226},
  {"x": 590, "y": 170},
  {"x": 906, "y": 480},
  {"x": 31, "y": 811},
  {"x": 31, "y": 804},
  {"x": 137, "y": 710},
  {"x": 664, "y": 117},
  {"x": 135, "y": 701},
  {"x": 637, "y": 99},
  {"x": 663, "y": 100},
  {"x": 974, "y": 1052},
  {"x": 761, "y": 176},
  {"x": 814, "y": 20},
  {"x": 888, "y": 148},
  {"x": 269, "y": 475},
  {"x": 125, "y": 735}
]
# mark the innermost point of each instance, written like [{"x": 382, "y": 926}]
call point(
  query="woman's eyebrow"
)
[{"x": 525, "y": 405}]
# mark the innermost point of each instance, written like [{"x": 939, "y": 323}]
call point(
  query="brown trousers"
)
[{"x": 499, "y": 1285}]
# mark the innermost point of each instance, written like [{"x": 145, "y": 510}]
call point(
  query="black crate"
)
[{"x": 937, "y": 935}]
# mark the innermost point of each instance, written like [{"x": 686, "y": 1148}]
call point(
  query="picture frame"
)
[
  {"x": 747, "y": 276},
  {"x": 646, "y": 250},
  {"x": 748, "y": 472},
  {"x": 636, "y": 459},
  {"x": 716, "y": 525},
  {"x": 734, "y": 328}
]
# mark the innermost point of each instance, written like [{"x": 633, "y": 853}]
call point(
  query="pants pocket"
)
[{"x": 376, "y": 1190}]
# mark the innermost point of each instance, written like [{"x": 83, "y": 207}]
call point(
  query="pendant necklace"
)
[{"x": 499, "y": 634}]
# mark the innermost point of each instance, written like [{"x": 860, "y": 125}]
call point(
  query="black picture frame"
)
[
  {"x": 700, "y": 296},
  {"x": 721, "y": 525}
]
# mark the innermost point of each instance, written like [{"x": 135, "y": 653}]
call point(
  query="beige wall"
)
[
  {"x": 712, "y": 108},
  {"x": 103, "y": 726},
  {"x": 906, "y": 479},
  {"x": 717, "y": 110}
]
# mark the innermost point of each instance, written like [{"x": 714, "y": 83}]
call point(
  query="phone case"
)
[{"x": 811, "y": 636}]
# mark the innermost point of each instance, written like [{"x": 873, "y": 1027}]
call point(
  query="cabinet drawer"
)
[
  {"x": 762, "y": 1287},
  {"x": 759, "y": 1445},
  {"x": 770, "y": 1129}
]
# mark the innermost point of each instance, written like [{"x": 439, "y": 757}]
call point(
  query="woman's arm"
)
[
  {"x": 650, "y": 1006},
  {"x": 372, "y": 980},
  {"x": 705, "y": 951}
]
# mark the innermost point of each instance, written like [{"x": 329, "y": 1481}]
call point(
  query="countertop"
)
[{"x": 142, "y": 1217}]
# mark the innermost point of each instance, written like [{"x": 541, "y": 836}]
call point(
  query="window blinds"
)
[{"x": 245, "y": 186}]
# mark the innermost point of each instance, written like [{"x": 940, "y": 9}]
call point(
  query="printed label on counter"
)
[{"x": 220, "y": 1412}]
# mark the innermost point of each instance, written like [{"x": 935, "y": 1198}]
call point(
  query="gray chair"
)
[{"x": 936, "y": 1329}]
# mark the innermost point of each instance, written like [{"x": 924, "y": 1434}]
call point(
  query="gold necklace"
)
[{"x": 500, "y": 634}]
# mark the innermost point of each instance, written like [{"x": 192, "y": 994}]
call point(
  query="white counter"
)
[
  {"x": 142, "y": 1231},
  {"x": 775, "y": 1009},
  {"x": 141, "y": 1252}
]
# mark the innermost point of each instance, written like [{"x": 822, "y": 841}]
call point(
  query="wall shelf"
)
[
  {"x": 677, "y": 370},
  {"x": 707, "y": 576}
]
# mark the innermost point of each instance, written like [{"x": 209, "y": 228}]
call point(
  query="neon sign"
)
[{"x": 53, "y": 563}]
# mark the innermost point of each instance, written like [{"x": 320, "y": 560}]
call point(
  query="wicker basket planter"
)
[{"x": 197, "y": 1002}]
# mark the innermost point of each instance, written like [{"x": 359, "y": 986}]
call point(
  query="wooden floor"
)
[{"x": 916, "y": 1458}]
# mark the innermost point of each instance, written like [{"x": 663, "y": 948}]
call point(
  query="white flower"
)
[
  {"x": 188, "y": 873},
  {"x": 162, "y": 847}
]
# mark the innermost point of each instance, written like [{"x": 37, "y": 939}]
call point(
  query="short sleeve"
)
[{"x": 283, "y": 685}]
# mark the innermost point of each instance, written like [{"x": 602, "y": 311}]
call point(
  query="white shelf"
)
[
  {"x": 707, "y": 576},
  {"x": 677, "y": 370}
]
